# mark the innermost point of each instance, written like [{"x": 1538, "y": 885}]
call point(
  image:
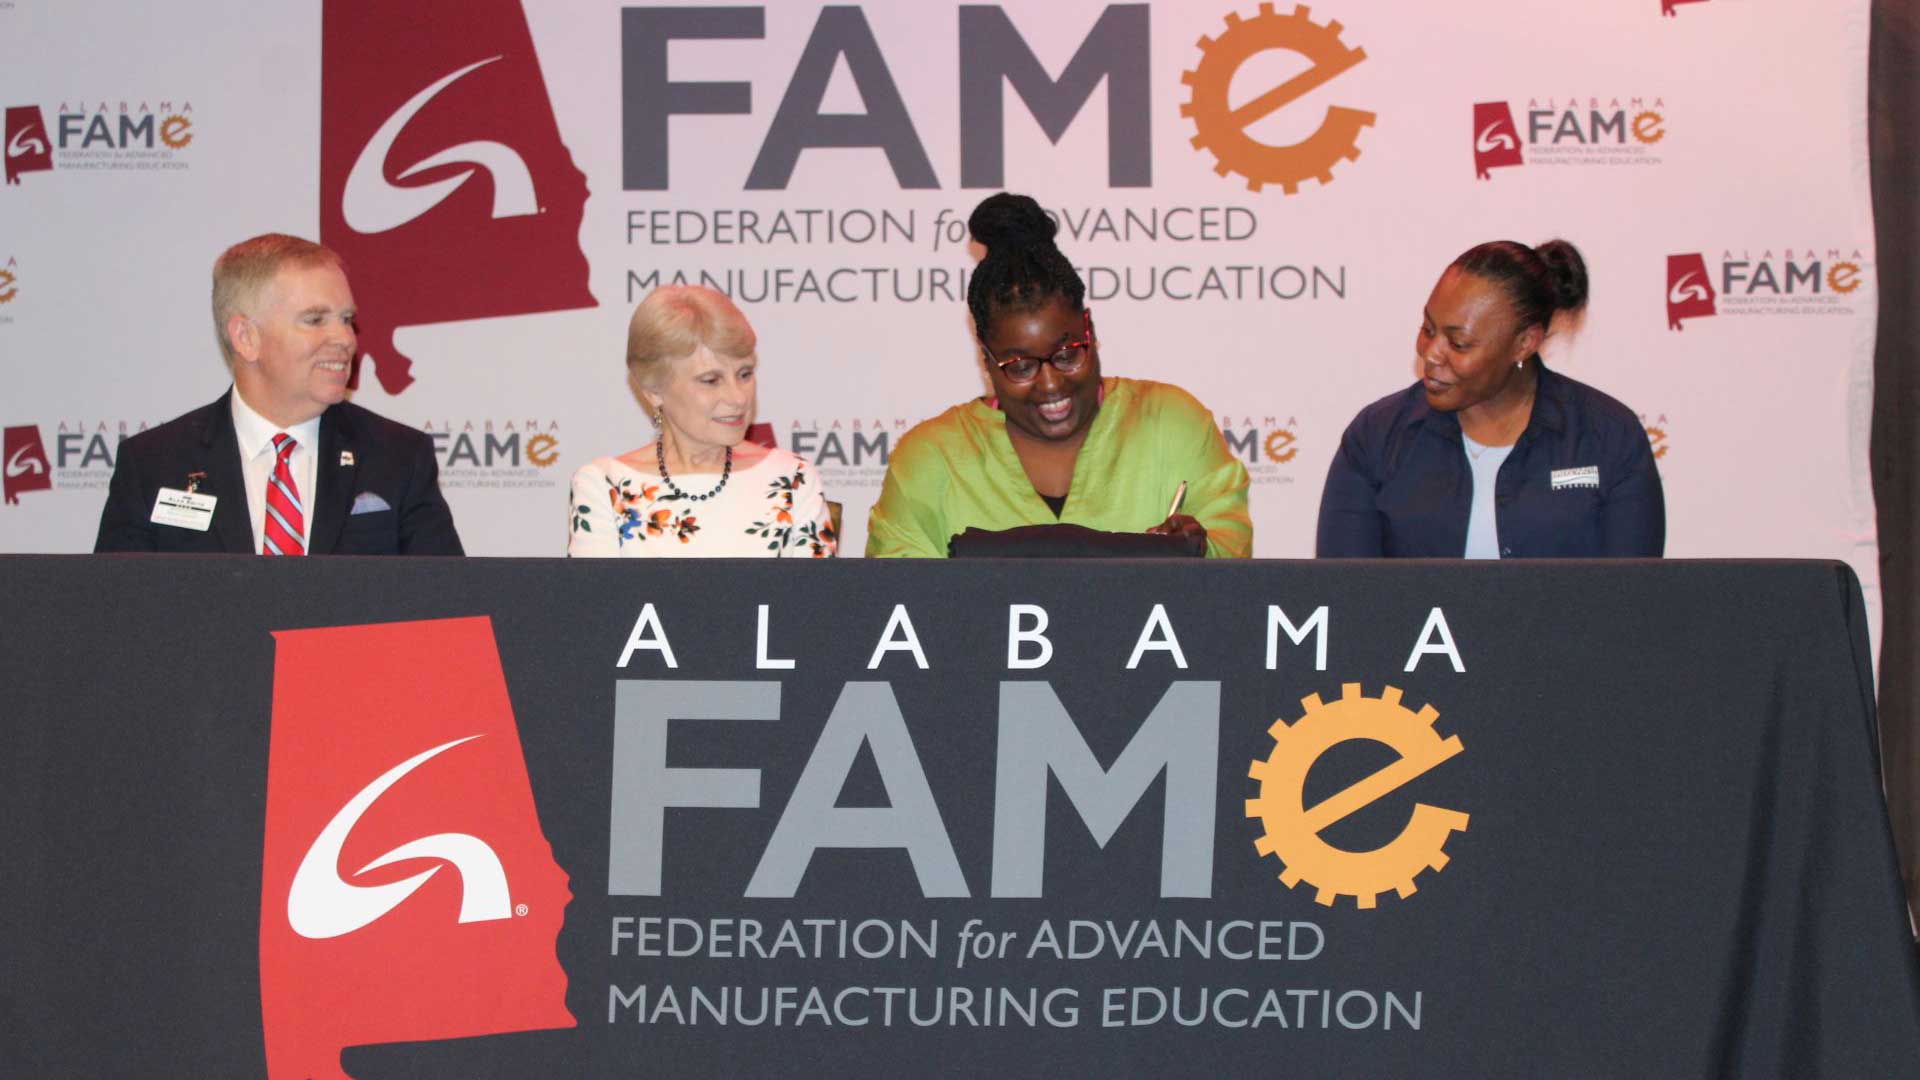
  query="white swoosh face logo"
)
[
  {"x": 1488, "y": 140},
  {"x": 1688, "y": 288},
  {"x": 24, "y": 142},
  {"x": 371, "y": 204},
  {"x": 321, "y": 905},
  {"x": 20, "y": 464}
]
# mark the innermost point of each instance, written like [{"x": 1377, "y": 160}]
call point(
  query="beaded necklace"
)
[{"x": 726, "y": 470}]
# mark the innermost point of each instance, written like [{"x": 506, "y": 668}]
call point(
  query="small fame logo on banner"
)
[
  {"x": 1266, "y": 444},
  {"x": 1496, "y": 141},
  {"x": 28, "y": 147},
  {"x": 1657, "y": 434},
  {"x": 849, "y": 452},
  {"x": 443, "y": 180},
  {"x": 408, "y": 892},
  {"x": 491, "y": 452},
  {"x": 1596, "y": 130},
  {"x": 1220, "y": 128},
  {"x": 1689, "y": 291},
  {"x": 27, "y": 468},
  {"x": 1774, "y": 281}
]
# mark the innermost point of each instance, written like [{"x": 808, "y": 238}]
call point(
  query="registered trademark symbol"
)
[{"x": 520, "y": 909}]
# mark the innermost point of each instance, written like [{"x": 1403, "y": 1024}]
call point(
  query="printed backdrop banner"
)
[
  {"x": 506, "y": 817},
  {"x": 1259, "y": 196}
]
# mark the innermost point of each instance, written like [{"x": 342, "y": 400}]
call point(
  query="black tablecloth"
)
[{"x": 1508, "y": 820}]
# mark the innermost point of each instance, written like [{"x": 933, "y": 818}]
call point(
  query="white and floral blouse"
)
[{"x": 773, "y": 508}]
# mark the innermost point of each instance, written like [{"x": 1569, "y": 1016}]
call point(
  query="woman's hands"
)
[{"x": 1187, "y": 528}]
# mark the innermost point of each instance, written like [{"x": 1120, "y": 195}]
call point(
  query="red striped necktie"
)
[{"x": 286, "y": 523}]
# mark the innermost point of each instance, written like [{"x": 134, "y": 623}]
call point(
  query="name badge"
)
[
  {"x": 184, "y": 509},
  {"x": 1586, "y": 476}
]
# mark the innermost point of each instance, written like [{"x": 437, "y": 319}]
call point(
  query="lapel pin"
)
[
  {"x": 346, "y": 458},
  {"x": 193, "y": 481}
]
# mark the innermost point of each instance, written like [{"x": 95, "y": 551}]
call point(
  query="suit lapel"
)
[
  {"x": 225, "y": 479},
  {"x": 334, "y": 473}
]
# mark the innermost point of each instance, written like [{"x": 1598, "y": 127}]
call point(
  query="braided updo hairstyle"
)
[
  {"x": 1022, "y": 269},
  {"x": 1538, "y": 281}
]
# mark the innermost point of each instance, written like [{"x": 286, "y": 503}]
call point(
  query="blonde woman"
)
[{"x": 699, "y": 489}]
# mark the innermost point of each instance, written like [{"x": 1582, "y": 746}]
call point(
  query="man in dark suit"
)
[{"x": 282, "y": 463}]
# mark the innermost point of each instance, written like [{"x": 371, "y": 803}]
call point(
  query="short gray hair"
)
[
  {"x": 674, "y": 320},
  {"x": 244, "y": 269}
]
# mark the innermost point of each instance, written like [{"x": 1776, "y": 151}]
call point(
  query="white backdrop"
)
[{"x": 1733, "y": 130}]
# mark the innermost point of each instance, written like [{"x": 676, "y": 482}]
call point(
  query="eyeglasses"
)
[{"x": 1066, "y": 360}]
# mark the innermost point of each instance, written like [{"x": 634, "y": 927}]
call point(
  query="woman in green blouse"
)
[{"x": 1057, "y": 442}]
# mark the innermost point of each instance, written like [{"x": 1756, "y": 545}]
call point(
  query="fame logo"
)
[
  {"x": 394, "y": 758},
  {"x": 28, "y": 147},
  {"x": 494, "y": 453},
  {"x": 145, "y": 135},
  {"x": 1805, "y": 281},
  {"x": 1593, "y": 130},
  {"x": 848, "y": 452},
  {"x": 1292, "y": 830},
  {"x": 443, "y": 179},
  {"x": 27, "y": 468},
  {"x": 1221, "y": 126}
]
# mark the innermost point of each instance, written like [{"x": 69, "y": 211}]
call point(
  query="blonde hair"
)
[
  {"x": 674, "y": 320},
  {"x": 244, "y": 269}
]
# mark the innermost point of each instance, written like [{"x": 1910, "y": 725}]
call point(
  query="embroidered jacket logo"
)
[
  {"x": 371, "y": 204},
  {"x": 322, "y": 905}
]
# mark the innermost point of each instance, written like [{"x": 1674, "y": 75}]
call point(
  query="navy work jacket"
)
[{"x": 1580, "y": 482}]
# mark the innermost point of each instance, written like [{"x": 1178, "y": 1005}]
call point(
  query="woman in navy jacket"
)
[{"x": 1491, "y": 455}]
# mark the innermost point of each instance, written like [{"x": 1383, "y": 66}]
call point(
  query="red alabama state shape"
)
[
  {"x": 407, "y": 890},
  {"x": 1496, "y": 142},
  {"x": 25, "y": 457},
  {"x": 1689, "y": 290},
  {"x": 443, "y": 181},
  {"x": 27, "y": 147}
]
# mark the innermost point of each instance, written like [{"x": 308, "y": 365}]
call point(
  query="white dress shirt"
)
[{"x": 255, "y": 434}]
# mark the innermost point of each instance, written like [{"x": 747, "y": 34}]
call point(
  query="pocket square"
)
[{"x": 369, "y": 502}]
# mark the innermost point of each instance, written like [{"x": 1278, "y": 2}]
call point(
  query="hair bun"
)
[
  {"x": 1011, "y": 221},
  {"x": 1567, "y": 272}
]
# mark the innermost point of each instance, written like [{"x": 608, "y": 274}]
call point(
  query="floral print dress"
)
[{"x": 774, "y": 508}]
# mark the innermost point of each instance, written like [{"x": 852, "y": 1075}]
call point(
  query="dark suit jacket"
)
[{"x": 390, "y": 460}]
